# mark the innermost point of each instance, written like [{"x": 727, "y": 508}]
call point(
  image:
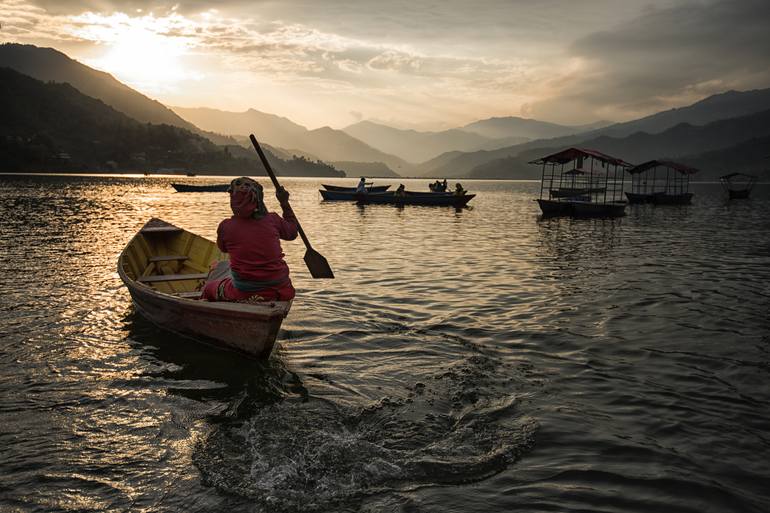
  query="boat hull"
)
[
  {"x": 181, "y": 187},
  {"x": 582, "y": 208},
  {"x": 337, "y": 188},
  {"x": 638, "y": 198},
  {"x": 738, "y": 194},
  {"x": 424, "y": 199},
  {"x": 343, "y": 195},
  {"x": 163, "y": 283}
]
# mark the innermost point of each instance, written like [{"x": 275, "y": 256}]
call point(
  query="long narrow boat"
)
[
  {"x": 183, "y": 187},
  {"x": 438, "y": 199},
  {"x": 164, "y": 268},
  {"x": 338, "y": 188},
  {"x": 343, "y": 195}
]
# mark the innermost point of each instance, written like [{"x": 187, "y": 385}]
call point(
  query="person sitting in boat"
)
[
  {"x": 252, "y": 238},
  {"x": 361, "y": 188},
  {"x": 459, "y": 191},
  {"x": 401, "y": 190},
  {"x": 444, "y": 185}
]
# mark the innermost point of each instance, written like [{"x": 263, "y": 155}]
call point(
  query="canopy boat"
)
[
  {"x": 649, "y": 184},
  {"x": 373, "y": 188},
  {"x": 738, "y": 185},
  {"x": 581, "y": 182},
  {"x": 164, "y": 268},
  {"x": 417, "y": 198},
  {"x": 182, "y": 187}
]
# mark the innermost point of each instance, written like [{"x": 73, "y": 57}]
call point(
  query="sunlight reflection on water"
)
[{"x": 518, "y": 362}]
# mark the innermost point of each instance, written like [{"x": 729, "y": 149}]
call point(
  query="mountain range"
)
[
  {"x": 731, "y": 104},
  {"x": 324, "y": 143},
  {"x": 714, "y": 132},
  {"x": 684, "y": 143},
  {"x": 53, "y": 126}
]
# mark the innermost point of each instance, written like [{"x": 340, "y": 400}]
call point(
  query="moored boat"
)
[
  {"x": 417, "y": 198},
  {"x": 183, "y": 187},
  {"x": 738, "y": 185},
  {"x": 344, "y": 195},
  {"x": 338, "y": 188},
  {"x": 581, "y": 182},
  {"x": 650, "y": 184},
  {"x": 164, "y": 268}
]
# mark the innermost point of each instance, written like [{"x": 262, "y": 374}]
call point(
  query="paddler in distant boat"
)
[
  {"x": 459, "y": 191},
  {"x": 361, "y": 188},
  {"x": 257, "y": 270}
]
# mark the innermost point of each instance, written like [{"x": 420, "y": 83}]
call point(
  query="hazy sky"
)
[{"x": 423, "y": 64}]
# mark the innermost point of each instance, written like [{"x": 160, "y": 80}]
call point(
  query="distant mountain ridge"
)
[
  {"x": 714, "y": 108},
  {"x": 326, "y": 143},
  {"x": 415, "y": 146},
  {"x": 683, "y": 142},
  {"x": 48, "y": 64},
  {"x": 54, "y": 127},
  {"x": 512, "y": 126}
]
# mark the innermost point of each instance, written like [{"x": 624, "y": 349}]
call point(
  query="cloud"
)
[{"x": 663, "y": 59}]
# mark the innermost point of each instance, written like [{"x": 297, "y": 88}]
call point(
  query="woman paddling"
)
[{"x": 252, "y": 239}]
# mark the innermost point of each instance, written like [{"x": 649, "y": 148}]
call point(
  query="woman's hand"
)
[{"x": 282, "y": 195}]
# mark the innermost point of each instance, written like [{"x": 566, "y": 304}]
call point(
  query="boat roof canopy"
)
[
  {"x": 571, "y": 154},
  {"x": 681, "y": 168}
]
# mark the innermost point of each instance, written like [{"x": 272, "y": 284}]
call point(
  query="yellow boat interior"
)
[{"x": 169, "y": 259}]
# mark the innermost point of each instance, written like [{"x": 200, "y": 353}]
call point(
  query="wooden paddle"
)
[{"x": 315, "y": 261}]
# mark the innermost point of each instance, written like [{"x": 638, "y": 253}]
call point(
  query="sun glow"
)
[{"x": 146, "y": 52}]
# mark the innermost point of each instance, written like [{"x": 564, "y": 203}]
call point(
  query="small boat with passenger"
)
[
  {"x": 338, "y": 188},
  {"x": 165, "y": 267},
  {"x": 183, "y": 187},
  {"x": 339, "y": 193}
]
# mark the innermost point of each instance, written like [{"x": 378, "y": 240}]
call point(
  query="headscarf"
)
[{"x": 247, "y": 198}]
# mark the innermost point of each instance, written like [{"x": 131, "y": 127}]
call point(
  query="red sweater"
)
[{"x": 254, "y": 245}]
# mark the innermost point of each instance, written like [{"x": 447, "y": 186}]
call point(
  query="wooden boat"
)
[
  {"x": 582, "y": 208},
  {"x": 164, "y": 268},
  {"x": 417, "y": 198},
  {"x": 337, "y": 188},
  {"x": 183, "y": 187},
  {"x": 738, "y": 185},
  {"x": 649, "y": 184},
  {"x": 635, "y": 197},
  {"x": 344, "y": 195},
  {"x": 581, "y": 182}
]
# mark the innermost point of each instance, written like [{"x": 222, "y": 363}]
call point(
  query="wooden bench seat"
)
[
  {"x": 172, "y": 277},
  {"x": 195, "y": 294},
  {"x": 160, "y": 229},
  {"x": 168, "y": 258}
]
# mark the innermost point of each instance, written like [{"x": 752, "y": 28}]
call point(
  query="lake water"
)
[{"x": 461, "y": 361}]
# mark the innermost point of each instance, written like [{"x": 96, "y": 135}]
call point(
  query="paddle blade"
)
[{"x": 317, "y": 264}]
